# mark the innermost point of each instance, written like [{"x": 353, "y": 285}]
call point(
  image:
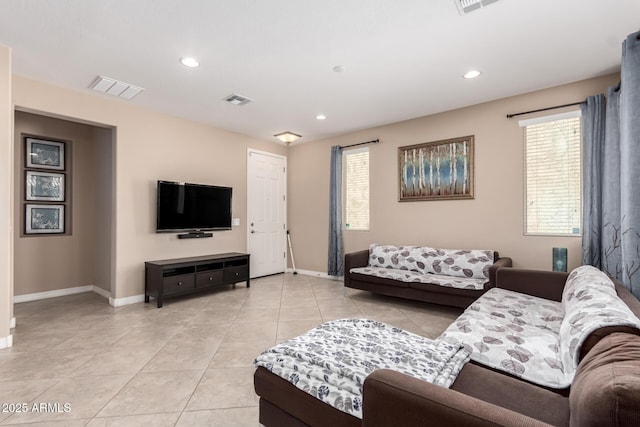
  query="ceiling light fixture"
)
[
  {"x": 321, "y": 117},
  {"x": 236, "y": 99},
  {"x": 472, "y": 74},
  {"x": 287, "y": 137},
  {"x": 338, "y": 69},
  {"x": 189, "y": 62}
]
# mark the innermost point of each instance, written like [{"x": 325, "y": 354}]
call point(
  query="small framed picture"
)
[
  {"x": 559, "y": 259},
  {"x": 44, "y": 154},
  {"x": 44, "y": 186},
  {"x": 44, "y": 219}
]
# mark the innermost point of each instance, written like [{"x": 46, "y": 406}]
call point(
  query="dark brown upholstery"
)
[
  {"x": 606, "y": 389},
  {"x": 395, "y": 399},
  {"x": 605, "y": 392},
  {"x": 302, "y": 408},
  {"x": 550, "y": 406},
  {"x": 542, "y": 284}
]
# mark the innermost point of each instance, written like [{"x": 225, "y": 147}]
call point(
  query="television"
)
[{"x": 192, "y": 207}]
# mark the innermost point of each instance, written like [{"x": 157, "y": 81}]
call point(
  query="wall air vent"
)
[
  {"x": 115, "y": 87},
  {"x": 236, "y": 99},
  {"x": 467, "y": 6}
]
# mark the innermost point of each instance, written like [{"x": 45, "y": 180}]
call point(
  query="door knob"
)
[{"x": 252, "y": 231}]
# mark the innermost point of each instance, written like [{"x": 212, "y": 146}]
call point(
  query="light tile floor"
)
[{"x": 186, "y": 364}]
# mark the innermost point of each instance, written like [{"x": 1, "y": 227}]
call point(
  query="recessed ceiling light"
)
[
  {"x": 472, "y": 74},
  {"x": 321, "y": 117},
  {"x": 190, "y": 62},
  {"x": 338, "y": 68}
]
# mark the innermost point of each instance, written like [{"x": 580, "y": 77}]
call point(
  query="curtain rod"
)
[
  {"x": 375, "y": 141},
  {"x": 543, "y": 109}
]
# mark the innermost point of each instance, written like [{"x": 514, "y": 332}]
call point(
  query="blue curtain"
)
[
  {"x": 336, "y": 263},
  {"x": 611, "y": 165},
  {"x": 593, "y": 136}
]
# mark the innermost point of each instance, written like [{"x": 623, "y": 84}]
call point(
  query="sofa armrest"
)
[
  {"x": 353, "y": 260},
  {"x": 493, "y": 270},
  {"x": 543, "y": 284},
  {"x": 394, "y": 399}
]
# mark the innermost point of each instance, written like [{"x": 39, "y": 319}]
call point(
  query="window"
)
[
  {"x": 553, "y": 175},
  {"x": 356, "y": 189}
]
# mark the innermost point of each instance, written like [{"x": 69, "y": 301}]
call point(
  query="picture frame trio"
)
[{"x": 45, "y": 186}]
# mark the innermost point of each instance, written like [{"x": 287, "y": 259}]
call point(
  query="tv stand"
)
[
  {"x": 194, "y": 235},
  {"x": 181, "y": 276}
]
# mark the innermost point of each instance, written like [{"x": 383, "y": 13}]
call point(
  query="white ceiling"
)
[{"x": 402, "y": 58}]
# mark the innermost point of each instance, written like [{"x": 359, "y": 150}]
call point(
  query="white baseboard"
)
[
  {"x": 6, "y": 342},
  {"x": 119, "y": 302},
  {"x": 314, "y": 274},
  {"x": 116, "y": 302},
  {"x": 52, "y": 294},
  {"x": 103, "y": 293},
  {"x": 12, "y": 323}
]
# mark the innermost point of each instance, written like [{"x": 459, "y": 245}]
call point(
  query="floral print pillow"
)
[
  {"x": 590, "y": 302},
  {"x": 423, "y": 259}
]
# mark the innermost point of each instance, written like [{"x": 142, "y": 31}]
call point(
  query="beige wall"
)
[
  {"x": 104, "y": 171},
  {"x": 151, "y": 146},
  {"x": 493, "y": 220},
  {"x": 45, "y": 263},
  {"x": 6, "y": 195}
]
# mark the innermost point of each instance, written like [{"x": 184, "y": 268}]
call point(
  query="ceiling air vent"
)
[
  {"x": 467, "y": 6},
  {"x": 236, "y": 99},
  {"x": 115, "y": 87}
]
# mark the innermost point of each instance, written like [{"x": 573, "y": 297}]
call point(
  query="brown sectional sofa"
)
[
  {"x": 416, "y": 291},
  {"x": 605, "y": 390}
]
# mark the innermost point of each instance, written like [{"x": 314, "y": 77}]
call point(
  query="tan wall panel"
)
[
  {"x": 105, "y": 231},
  {"x": 493, "y": 219},
  {"x": 151, "y": 146},
  {"x": 49, "y": 262},
  {"x": 6, "y": 193}
]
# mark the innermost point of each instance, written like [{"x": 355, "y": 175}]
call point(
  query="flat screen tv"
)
[{"x": 192, "y": 207}]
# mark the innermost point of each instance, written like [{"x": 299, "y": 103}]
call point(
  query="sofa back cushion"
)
[
  {"x": 423, "y": 259},
  {"x": 590, "y": 303},
  {"x": 606, "y": 388}
]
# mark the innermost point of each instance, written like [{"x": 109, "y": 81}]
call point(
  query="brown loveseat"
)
[
  {"x": 428, "y": 292},
  {"x": 605, "y": 390}
]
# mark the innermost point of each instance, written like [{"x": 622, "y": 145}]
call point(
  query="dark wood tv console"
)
[{"x": 181, "y": 276}]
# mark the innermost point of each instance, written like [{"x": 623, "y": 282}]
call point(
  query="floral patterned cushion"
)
[
  {"x": 423, "y": 259},
  {"x": 412, "y": 276},
  {"x": 537, "y": 339},
  {"x": 590, "y": 302},
  {"x": 331, "y": 361},
  {"x": 515, "y": 333}
]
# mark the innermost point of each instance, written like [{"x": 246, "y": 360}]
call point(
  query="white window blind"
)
[
  {"x": 356, "y": 186},
  {"x": 553, "y": 176}
]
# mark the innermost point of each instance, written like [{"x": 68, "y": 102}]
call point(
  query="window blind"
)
[
  {"x": 356, "y": 182},
  {"x": 553, "y": 177}
]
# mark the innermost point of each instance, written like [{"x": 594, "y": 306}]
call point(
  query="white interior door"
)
[{"x": 266, "y": 212}]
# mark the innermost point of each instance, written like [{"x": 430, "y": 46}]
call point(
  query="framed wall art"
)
[
  {"x": 44, "y": 186},
  {"x": 559, "y": 256},
  {"x": 44, "y": 219},
  {"x": 440, "y": 170},
  {"x": 44, "y": 154}
]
